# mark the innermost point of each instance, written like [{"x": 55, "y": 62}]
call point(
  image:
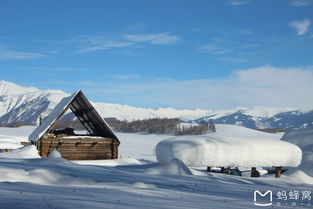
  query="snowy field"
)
[{"x": 136, "y": 180}]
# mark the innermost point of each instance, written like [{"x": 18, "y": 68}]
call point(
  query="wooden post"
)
[
  {"x": 278, "y": 172},
  {"x": 208, "y": 169},
  {"x": 40, "y": 120},
  {"x": 228, "y": 170},
  {"x": 253, "y": 172}
]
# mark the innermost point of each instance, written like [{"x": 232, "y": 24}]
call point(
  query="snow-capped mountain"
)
[
  {"x": 284, "y": 120},
  {"x": 25, "y": 104}
]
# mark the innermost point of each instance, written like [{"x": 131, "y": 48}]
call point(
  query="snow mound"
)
[
  {"x": 19, "y": 134},
  {"x": 215, "y": 150},
  {"x": 117, "y": 162},
  {"x": 7, "y": 142},
  {"x": 11, "y": 138},
  {"x": 303, "y": 139},
  {"x": 55, "y": 154},
  {"x": 24, "y": 152},
  {"x": 173, "y": 167},
  {"x": 141, "y": 185},
  {"x": 39, "y": 176},
  {"x": 299, "y": 177}
]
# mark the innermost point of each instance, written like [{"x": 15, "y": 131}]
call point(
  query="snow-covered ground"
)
[
  {"x": 11, "y": 138},
  {"x": 136, "y": 180}
]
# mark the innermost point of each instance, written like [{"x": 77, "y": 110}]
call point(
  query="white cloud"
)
[
  {"x": 228, "y": 51},
  {"x": 158, "y": 38},
  {"x": 233, "y": 59},
  {"x": 92, "y": 43},
  {"x": 219, "y": 46},
  {"x": 300, "y": 26},
  {"x": 239, "y": 2},
  {"x": 210, "y": 48},
  {"x": 262, "y": 86},
  {"x": 122, "y": 76},
  {"x": 54, "y": 69},
  {"x": 18, "y": 55},
  {"x": 99, "y": 46},
  {"x": 301, "y": 3},
  {"x": 216, "y": 47}
]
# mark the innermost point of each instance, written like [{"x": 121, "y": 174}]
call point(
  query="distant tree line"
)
[
  {"x": 17, "y": 124},
  {"x": 272, "y": 130},
  {"x": 161, "y": 125},
  {"x": 198, "y": 129},
  {"x": 154, "y": 125}
]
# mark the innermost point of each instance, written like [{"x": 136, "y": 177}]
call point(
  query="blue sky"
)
[{"x": 185, "y": 54}]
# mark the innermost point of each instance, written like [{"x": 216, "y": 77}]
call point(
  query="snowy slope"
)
[
  {"x": 126, "y": 112},
  {"x": 11, "y": 138},
  {"x": 286, "y": 119},
  {"x": 9, "y": 88},
  {"x": 57, "y": 183},
  {"x": 25, "y": 104}
]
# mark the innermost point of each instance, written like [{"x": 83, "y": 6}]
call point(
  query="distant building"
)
[{"x": 99, "y": 143}]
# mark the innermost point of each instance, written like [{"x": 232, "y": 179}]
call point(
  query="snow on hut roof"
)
[
  {"x": 51, "y": 118},
  {"x": 83, "y": 110},
  {"x": 247, "y": 148}
]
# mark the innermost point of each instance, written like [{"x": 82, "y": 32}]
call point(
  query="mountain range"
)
[{"x": 24, "y": 105}]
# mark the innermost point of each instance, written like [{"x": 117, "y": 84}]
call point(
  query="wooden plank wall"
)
[{"x": 80, "y": 148}]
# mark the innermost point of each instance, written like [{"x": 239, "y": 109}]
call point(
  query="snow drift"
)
[
  {"x": 173, "y": 167},
  {"x": 7, "y": 142},
  {"x": 113, "y": 163},
  {"x": 11, "y": 138},
  {"x": 24, "y": 152},
  {"x": 231, "y": 146},
  {"x": 303, "y": 139}
]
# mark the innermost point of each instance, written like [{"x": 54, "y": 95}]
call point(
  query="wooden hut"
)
[{"x": 99, "y": 143}]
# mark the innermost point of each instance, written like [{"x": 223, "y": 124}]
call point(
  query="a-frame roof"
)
[{"x": 83, "y": 110}]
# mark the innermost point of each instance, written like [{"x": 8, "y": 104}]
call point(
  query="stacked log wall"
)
[{"x": 79, "y": 148}]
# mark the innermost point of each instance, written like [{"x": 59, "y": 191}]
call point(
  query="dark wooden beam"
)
[
  {"x": 253, "y": 169},
  {"x": 278, "y": 172},
  {"x": 228, "y": 170}
]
